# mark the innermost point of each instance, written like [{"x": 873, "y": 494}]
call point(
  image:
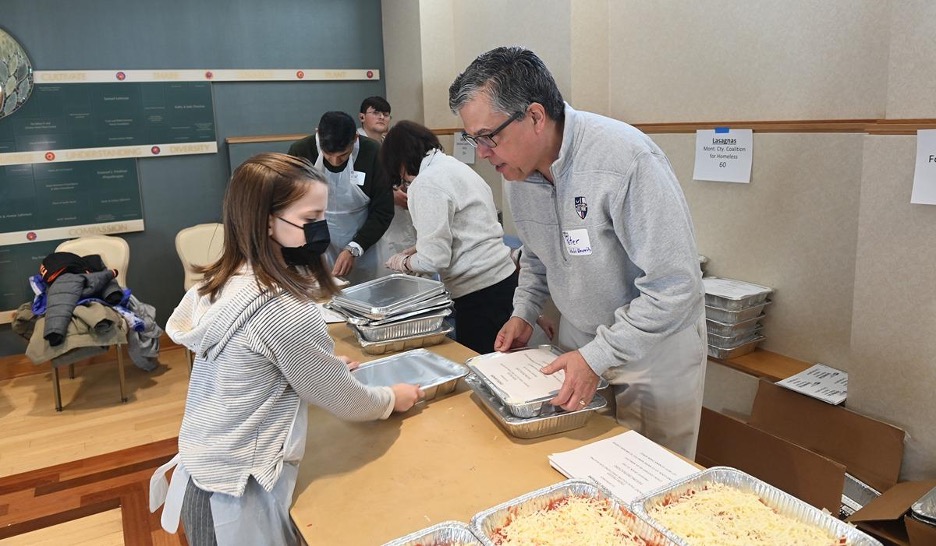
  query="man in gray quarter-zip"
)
[{"x": 606, "y": 233}]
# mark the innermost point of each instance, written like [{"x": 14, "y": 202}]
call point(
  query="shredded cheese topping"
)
[
  {"x": 572, "y": 521},
  {"x": 720, "y": 515}
]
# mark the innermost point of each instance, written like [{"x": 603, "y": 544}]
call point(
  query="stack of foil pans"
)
[{"x": 397, "y": 308}]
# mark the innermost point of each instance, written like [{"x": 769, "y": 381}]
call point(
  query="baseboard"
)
[{"x": 20, "y": 365}]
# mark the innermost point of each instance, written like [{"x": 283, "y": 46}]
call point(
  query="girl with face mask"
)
[{"x": 263, "y": 354}]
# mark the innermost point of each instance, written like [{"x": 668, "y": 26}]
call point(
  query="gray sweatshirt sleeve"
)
[
  {"x": 432, "y": 211},
  {"x": 532, "y": 291},
  {"x": 652, "y": 222},
  {"x": 296, "y": 336}
]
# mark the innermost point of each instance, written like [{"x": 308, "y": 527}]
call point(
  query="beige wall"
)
[
  {"x": 826, "y": 219},
  {"x": 755, "y": 60},
  {"x": 893, "y": 366}
]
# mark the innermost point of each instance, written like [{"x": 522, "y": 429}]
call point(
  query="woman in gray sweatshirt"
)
[{"x": 457, "y": 233}]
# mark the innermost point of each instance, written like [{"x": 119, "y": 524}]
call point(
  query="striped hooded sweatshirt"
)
[{"x": 258, "y": 353}]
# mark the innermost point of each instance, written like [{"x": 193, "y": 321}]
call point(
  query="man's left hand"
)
[
  {"x": 580, "y": 383},
  {"x": 344, "y": 264}
]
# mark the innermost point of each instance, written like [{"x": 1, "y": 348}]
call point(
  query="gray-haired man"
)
[{"x": 607, "y": 233}]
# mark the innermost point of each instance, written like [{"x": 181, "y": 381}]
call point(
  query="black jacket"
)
[{"x": 376, "y": 186}]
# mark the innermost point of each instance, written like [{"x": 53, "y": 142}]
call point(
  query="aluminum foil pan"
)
[
  {"x": 925, "y": 508},
  {"x": 401, "y": 344},
  {"x": 735, "y": 351},
  {"x": 385, "y": 296},
  {"x": 855, "y": 495},
  {"x": 733, "y": 295},
  {"x": 728, "y": 342},
  {"x": 551, "y": 422},
  {"x": 526, "y": 408},
  {"x": 734, "y": 316},
  {"x": 781, "y": 502},
  {"x": 486, "y": 524},
  {"x": 732, "y": 329},
  {"x": 356, "y": 318},
  {"x": 441, "y": 534},
  {"x": 433, "y": 373},
  {"x": 390, "y": 330}
]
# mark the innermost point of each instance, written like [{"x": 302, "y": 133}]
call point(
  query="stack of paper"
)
[
  {"x": 517, "y": 375},
  {"x": 629, "y": 465},
  {"x": 820, "y": 382}
]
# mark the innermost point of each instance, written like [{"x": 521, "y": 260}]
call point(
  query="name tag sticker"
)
[
  {"x": 358, "y": 178},
  {"x": 577, "y": 242}
]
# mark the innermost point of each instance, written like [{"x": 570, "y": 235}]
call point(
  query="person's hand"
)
[
  {"x": 548, "y": 326},
  {"x": 397, "y": 262},
  {"x": 580, "y": 383},
  {"x": 351, "y": 364},
  {"x": 400, "y": 198},
  {"x": 406, "y": 396},
  {"x": 344, "y": 264},
  {"x": 514, "y": 333},
  {"x": 410, "y": 251}
]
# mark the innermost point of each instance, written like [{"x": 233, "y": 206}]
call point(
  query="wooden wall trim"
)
[{"x": 868, "y": 126}]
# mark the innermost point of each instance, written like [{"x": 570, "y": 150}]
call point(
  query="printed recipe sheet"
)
[{"x": 518, "y": 374}]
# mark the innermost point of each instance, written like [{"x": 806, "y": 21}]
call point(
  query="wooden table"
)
[{"x": 368, "y": 483}]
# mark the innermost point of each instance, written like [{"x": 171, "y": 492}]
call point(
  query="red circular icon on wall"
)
[
  {"x": 155, "y": 150},
  {"x": 31, "y": 236},
  {"x": 50, "y": 156},
  {"x": 300, "y": 74},
  {"x": 209, "y": 74},
  {"x": 121, "y": 76},
  {"x": 370, "y": 73}
]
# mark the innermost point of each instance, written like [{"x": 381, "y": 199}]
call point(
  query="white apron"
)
[
  {"x": 345, "y": 213},
  {"x": 256, "y": 517},
  {"x": 660, "y": 395},
  {"x": 401, "y": 234}
]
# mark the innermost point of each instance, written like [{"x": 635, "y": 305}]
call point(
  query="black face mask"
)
[{"x": 317, "y": 240}]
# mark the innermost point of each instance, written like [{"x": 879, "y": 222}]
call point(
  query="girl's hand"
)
[
  {"x": 406, "y": 396},
  {"x": 351, "y": 364}
]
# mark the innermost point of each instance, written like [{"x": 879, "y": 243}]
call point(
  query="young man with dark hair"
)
[
  {"x": 360, "y": 202},
  {"x": 375, "y": 118}
]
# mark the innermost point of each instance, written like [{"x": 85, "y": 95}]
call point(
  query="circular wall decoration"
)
[{"x": 16, "y": 75}]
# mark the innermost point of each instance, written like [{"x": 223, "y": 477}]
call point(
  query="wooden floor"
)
[{"x": 82, "y": 476}]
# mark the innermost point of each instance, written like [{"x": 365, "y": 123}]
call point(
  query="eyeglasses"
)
[
  {"x": 377, "y": 114},
  {"x": 487, "y": 139}
]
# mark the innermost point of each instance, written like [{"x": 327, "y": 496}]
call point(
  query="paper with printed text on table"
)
[
  {"x": 518, "y": 374},
  {"x": 629, "y": 465}
]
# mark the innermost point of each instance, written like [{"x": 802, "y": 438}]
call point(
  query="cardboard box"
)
[
  {"x": 803, "y": 446},
  {"x": 886, "y": 516}
]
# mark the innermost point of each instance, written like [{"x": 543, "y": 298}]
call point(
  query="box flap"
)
[
  {"x": 893, "y": 533},
  {"x": 871, "y": 450},
  {"x": 920, "y": 533},
  {"x": 808, "y": 476},
  {"x": 894, "y": 502}
]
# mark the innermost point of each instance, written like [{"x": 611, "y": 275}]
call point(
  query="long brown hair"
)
[{"x": 262, "y": 186}]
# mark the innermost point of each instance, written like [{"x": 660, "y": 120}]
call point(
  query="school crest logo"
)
[{"x": 581, "y": 207}]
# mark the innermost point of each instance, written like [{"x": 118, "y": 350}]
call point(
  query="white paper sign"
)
[
  {"x": 464, "y": 152},
  {"x": 820, "y": 382},
  {"x": 724, "y": 155},
  {"x": 924, "y": 177},
  {"x": 518, "y": 374},
  {"x": 628, "y": 464}
]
